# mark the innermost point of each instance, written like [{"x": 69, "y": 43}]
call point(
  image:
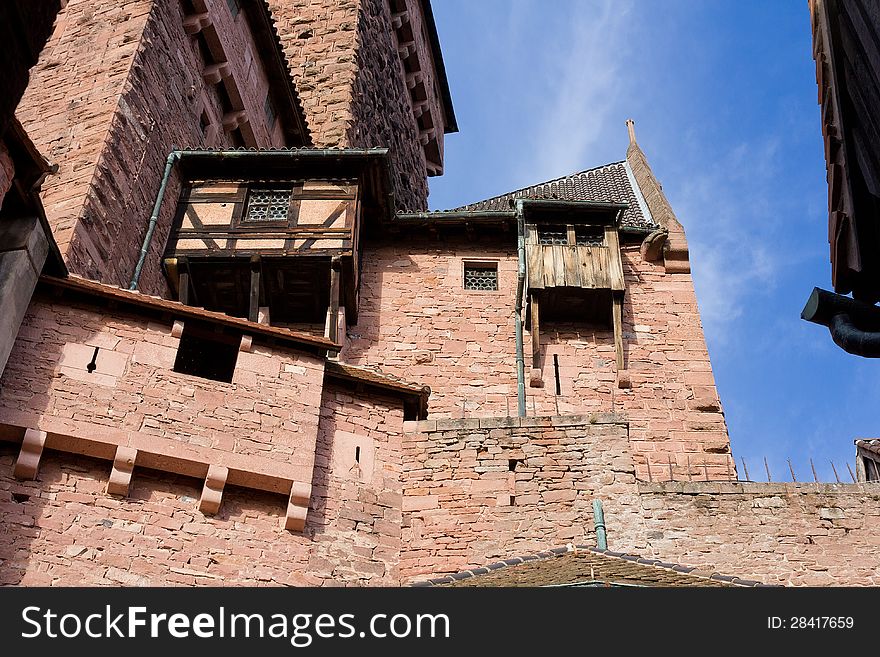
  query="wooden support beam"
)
[
  {"x": 623, "y": 379},
  {"x": 333, "y": 311},
  {"x": 183, "y": 281},
  {"x": 254, "y": 305},
  {"x": 535, "y": 377}
]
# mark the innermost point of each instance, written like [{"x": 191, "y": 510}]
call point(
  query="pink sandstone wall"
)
[
  {"x": 64, "y": 530},
  {"x": 464, "y": 507},
  {"x": 345, "y": 63},
  {"x": 778, "y": 533},
  {"x": 117, "y": 87},
  {"x": 269, "y": 411},
  {"x": 7, "y": 171},
  {"x": 418, "y": 322}
]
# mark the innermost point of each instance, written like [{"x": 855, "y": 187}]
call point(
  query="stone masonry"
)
[
  {"x": 118, "y": 87},
  {"x": 347, "y": 70}
]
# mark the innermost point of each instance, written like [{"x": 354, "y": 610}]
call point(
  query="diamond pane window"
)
[
  {"x": 268, "y": 205},
  {"x": 552, "y": 235},
  {"x": 589, "y": 235},
  {"x": 480, "y": 277}
]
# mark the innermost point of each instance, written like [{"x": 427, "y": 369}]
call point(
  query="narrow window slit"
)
[
  {"x": 513, "y": 500},
  {"x": 556, "y": 371},
  {"x": 357, "y": 454},
  {"x": 92, "y": 366}
]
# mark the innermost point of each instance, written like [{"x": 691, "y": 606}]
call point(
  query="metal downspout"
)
[
  {"x": 154, "y": 218},
  {"x": 520, "y": 284},
  {"x": 599, "y": 524}
]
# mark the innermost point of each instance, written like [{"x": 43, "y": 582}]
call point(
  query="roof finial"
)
[{"x": 631, "y": 127}]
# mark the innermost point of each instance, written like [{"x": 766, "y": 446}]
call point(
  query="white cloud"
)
[{"x": 585, "y": 86}]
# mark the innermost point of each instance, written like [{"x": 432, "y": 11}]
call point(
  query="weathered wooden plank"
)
[
  {"x": 617, "y": 321},
  {"x": 572, "y": 269},
  {"x": 254, "y": 301},
  {"x": 333, "y": 310},
  {"x": 615, "y": 265},
  {"x": 559, "y": 264},
  {"x": 536, "y": 331},
  {"x": 549, "y": 272},
  {"x": 535, "y": 262}
]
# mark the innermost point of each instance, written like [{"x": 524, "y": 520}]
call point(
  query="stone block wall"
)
[
  {"x": 475, "y": 491},
  {"x": 417, "y": 321},
  {"x": 64, "y": 530},
  {"x": 117, "y": 88},
  {"x": 347, "y": 70},
  {"x": 267, "y": 414},
  {"x": 777, "y": 533}
]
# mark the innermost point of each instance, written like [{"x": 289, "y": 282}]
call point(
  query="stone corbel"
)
[
  {"x": 28, "y": 461},
  {"x": 247, "y": 343},
  {"x": 652, "y": 246},
  {"x": 177, "y": 329},
  {"x": 214, "y": 73},
  {"x": 676, "y": 256},
  {"x": 123, "y": 467},
  {"x": 195, "y": 23},
  {"x": 297, "y": 507},
  {"x": 212, "y": 492},
  {"x": 234, "y": 120}
]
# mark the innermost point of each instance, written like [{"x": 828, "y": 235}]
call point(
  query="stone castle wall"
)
[
  {"x": 417, "y": 321},
  {"x": 117, "y": 88},
  {"x": 347, "y": 71}
]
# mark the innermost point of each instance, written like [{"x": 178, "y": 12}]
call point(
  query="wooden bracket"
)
[
  {"x": 123, "y": 467},
  {"x": 28, "y": 461},
  {"x": 297, "y": 507},
  {"x": 212, "y": 491}
]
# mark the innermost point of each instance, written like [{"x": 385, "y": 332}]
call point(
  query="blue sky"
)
[{"x": 724, "y": 98}]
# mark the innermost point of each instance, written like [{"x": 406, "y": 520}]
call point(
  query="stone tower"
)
[{"x": 370, "y": 73}]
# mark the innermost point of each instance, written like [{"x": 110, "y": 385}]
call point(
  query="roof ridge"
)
[
  {"x": 570, "y": 548},
  {"x": 533, "y": 185}
]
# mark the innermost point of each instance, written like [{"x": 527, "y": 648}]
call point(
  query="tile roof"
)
[
  {"x": 586, "y": 566},
  {"x": 376, "y": 377},
  {"x": 610, "y": 183},
  {"x": 870, "y": 444}
]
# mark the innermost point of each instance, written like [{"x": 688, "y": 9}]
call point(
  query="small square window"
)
[
  {"x": 589, "y": 235},
  {"x": 481, "y": 277},
  {"x": 548, "y": 235},
  {"x": 267, "y": 205}
]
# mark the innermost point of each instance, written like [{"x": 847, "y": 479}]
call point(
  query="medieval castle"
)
[{"x": 238, "y": 349}]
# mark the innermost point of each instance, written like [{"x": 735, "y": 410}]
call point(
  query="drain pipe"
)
[
  {"x": 599, "y": 524},
  {"x": 154, "y": 219},
  {"x": 854, "y": 325},
  {"x": 520, "y": 284}
]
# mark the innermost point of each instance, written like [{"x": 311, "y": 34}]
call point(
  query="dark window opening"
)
[
  {"x": 589, "y": 235},
  {"x": 237, "y": 138},
  {"x": 234, "y": 7},
  {"x": 20, "y": 498},
  {"x": 267, "y": 205},
  {"x": 206, "y": 354},
  {"x": 512, "y": 463},
  {"x": 357, "y": 454},
  {"x": 513, "y": 500},
  {"x": 204, "y": 122},
  {"x": 269, "y": 109},
  {"x": 553, "y": 235},
  {"x": 481, "y": 277}
]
